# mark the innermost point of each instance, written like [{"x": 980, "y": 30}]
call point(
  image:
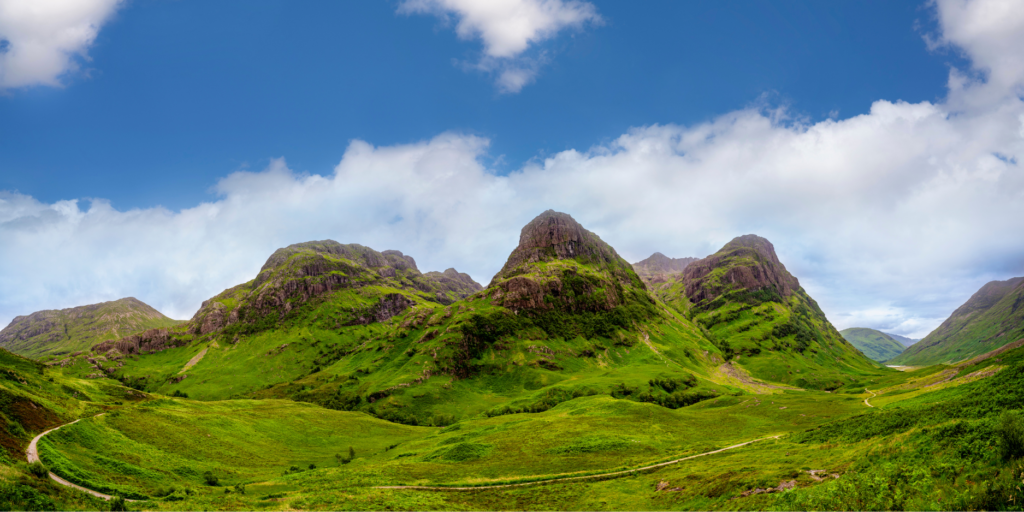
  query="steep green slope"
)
[
  {"x": 60, "y": 332},
  {"x": 658, "y": 268},
  {"x": 754, "y": 310},
  {"x": 877, "y": 345},
  {"x": 991, "y": 318}
]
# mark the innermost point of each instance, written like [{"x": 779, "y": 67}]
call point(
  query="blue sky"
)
[
  {"x": 178, "y": 94},
  {"x": 163, "y": 149}
]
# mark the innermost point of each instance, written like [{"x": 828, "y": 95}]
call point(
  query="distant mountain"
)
[
  {"x": 58, "y": 332},
  {"x": 877, "y": 345},
  {"x": 993, "y": 317},
  {"x": 658, "y": 268},
  {"x": 906, "y": 342}
]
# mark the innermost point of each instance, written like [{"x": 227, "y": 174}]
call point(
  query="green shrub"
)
[
  {"x": 1011, "y": 435},
  {"x": 117, "y": 504},
  {"x": 210, "y": 479},
  {"x": 38, "y": 470}
]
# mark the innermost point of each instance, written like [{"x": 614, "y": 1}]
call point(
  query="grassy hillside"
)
[
  {"x": 745, "y": 302},
  {"x": 55, "y": 333},
  {"x": 991, "y": 318},
  {"x": 876, "y": 345}
]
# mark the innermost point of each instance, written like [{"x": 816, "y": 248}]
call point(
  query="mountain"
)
[
  {"x": 351, "y": 328},
  {"x": 991, "y": 318},
  {"x": 755, "y": 311},
  {"x": 60, "y": 332},
  {"x": 906, "y": 342},
  {"x": 658, "y": 268},
  {"x": 877, "y": 345}
]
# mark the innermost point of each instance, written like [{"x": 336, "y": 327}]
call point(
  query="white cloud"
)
[
  {"x": 890, "y": 219},
  {"x": 40, "y": 40},
  {"x": 507, "y": 29}
]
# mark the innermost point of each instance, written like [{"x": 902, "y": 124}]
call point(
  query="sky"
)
[{"x": 164, "y": 149}]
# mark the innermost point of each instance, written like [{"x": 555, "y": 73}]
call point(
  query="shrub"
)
[
  {"x": 38, "y": 469},
  {"x": 118, "y": 504},
  {"x": 1011, "y": 435},
  {"x": 210, "y": 479}
]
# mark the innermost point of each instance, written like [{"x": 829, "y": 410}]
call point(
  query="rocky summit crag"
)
[
  {"x": 559, "y": 265},
  {"x": 60, "y": 332},
  {"x": 658, "y": 268}
]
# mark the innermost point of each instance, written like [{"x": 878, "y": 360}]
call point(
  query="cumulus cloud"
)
[
  {"x": 507, "y": 29},
  {"x": 42, "y": 40},
  {"x": 890, "y": 219}
]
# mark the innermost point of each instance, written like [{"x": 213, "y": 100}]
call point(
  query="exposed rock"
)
[
  {"x": 658, "y": 267},
  {"x": 153, "y": 340},
  {"x": 750, "y": 263},
  {"x": 387, "y": 307}
]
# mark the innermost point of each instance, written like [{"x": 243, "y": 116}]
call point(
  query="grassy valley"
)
[{"x": 344, "y": 378}]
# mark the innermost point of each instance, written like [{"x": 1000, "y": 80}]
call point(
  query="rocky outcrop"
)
[
  {"x": 747, "y": 262},
  {"x": 59, "y": 332},
  {"x": 596, "y": 278},
  {"x": 387, "y": 307},
  {"x": 658, "y": 267},
  {"x": 557, "y": 236},
  {"x": 153, "y": 340},
  {"x": 448, "y": 286}
]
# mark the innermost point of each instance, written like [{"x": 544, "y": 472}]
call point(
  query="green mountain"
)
[
  {"x": 991, "y": 318},
  {"x": 658, "y": 268},
  {"x": 905, "y": 341},
  {"x": 754, "y": 310},
  {"x": 349, "y": 328},
  {"x": 61, "y": 332},
  {"x": 877, "y": 345}
]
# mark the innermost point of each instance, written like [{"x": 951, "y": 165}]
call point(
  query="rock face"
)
[
  {"x": 153, "y": 340},
  {"x": 57, "y": 332},
  {"x": 658, "y": 268},
  {"x": 991, "y": 318},
  {"x": 299, "y": 273},
  {"x": 747, "y": 263},
  {"x": 560, "y": 265}
]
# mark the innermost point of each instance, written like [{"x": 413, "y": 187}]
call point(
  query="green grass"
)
[{"x": 876, "y": 345}]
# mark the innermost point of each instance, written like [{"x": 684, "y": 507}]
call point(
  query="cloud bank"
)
[
  {"x": 41, "y": 40},
  {"x": 507, "y": 29},
  {"x": 890, "y": 219}
]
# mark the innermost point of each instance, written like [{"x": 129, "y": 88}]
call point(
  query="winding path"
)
[
  {"x": 32, "y": 454},
  {"x": 873, "y": 394},
  {"x": 570, "y": 478}
]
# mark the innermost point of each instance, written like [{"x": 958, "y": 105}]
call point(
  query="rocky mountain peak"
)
[
  {"x": 747, "y": 262},
  {"x": 557, "y": 236},
  {"x": 658, "y": 268}
]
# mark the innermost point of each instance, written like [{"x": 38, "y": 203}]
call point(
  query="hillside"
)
[
  {"x": 903, "y": 340},
  {"x": 755, "y": 311},
  {"x": 991, "y": 318},
  {"x": 658, "y": 268},
  {"x": 61, "y": 332},
  {"x": 350, "y": 328},
  {"x": 877, "y": 345}
]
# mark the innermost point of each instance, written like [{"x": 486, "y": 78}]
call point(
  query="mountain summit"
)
[
  {"x": 748, "y": 264},
  {"x": 559, "y": 265}
]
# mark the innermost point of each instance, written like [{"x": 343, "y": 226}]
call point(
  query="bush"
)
[
  {"x": 118, "y": 504},
  {"x": 38, "y": 470},
  {"x": 210, "y": 479},
  {"x": 1011, "y": 436}
]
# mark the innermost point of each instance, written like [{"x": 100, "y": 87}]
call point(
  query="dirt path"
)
[
  {"x": 873, "y": 394},
  {"x": 32, "y": 454},
  {"x": 195, "y": 360},
  {"x": 571, "y": 478}
]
